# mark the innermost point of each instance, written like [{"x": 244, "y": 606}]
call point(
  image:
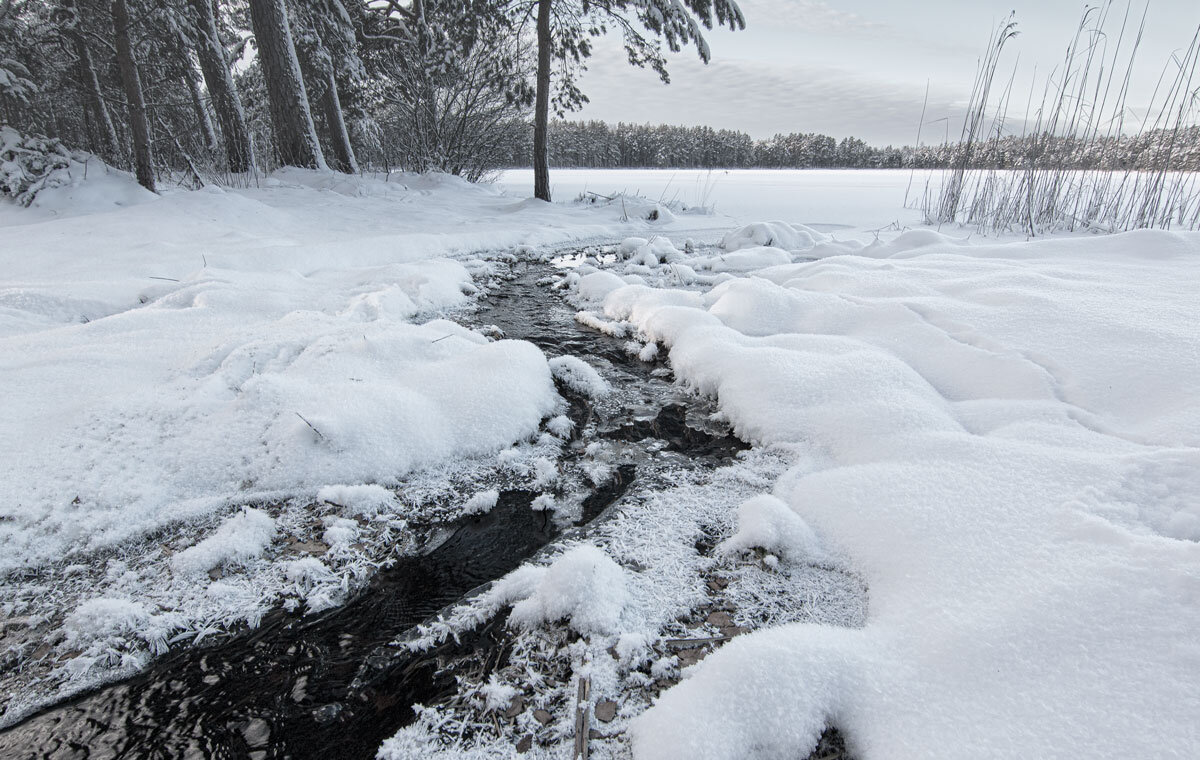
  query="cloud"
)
[
  {"x": 765, "y": 99},
  {"x": 810, "y": 15}
]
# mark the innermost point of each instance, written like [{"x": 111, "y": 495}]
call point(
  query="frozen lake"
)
[{"x": 824, "y": 198}]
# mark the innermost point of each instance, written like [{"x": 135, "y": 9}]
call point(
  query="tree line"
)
[
  {"x": 596, "y": 144},
  {"x": 202, "y": 88}
]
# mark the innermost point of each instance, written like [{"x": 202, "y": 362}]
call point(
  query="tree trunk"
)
[
  {"x": 108, "y": 143},
  {"x": 239, "y": 151},
  {"x": 206, "y": 125},
  {"x": 139, "y": 125},
  {"x": 339, "y": 137},
  {"x": 541, "y": 116},
  {"x": 428, "y": 129},
  {"x": 291, "y": 116}
]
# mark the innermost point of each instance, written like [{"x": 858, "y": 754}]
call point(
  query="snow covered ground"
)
[
  {"x": 1000, "y": 439},
  {"x": 822, "y": 198},
  {"x": 167, "y": 360},
  {"x": 1005, "y": 441}
]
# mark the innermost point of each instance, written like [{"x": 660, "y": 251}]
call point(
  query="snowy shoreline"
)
[{"x": 1001, "y": 439}]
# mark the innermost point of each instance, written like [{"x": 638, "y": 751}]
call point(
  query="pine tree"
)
[
  {"x": 291, "y": 117},
  {"x": 210, "y": 50},
  {"x": 139, "y": 123},
  {"x": 564, "y": 29}
]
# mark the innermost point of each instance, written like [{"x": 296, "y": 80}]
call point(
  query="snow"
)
[
  {"x": 170, "y": 359},
  {"x": 765, "y": 522},
  {"x": 747, "y": 259},
  {"x": 597, "y": 285},
  {"x": 583, "y": 586},
  {"x": 579, "y": 376},
  {"x": 242, "y": 537},
  {"x": 365, "y": 499},
  {"x": 773, "y": 234},
  {"x": 482, "y": 502},
  {"x": 250, "y": 344},
  {"x": 821, "y": 199},
  {"x": 1002, "y": 438}
]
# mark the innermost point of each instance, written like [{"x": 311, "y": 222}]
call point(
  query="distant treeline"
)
[{"x": 596, "y": 144}]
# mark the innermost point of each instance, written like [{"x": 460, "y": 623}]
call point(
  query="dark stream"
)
[{"x": 327, "y": 686}]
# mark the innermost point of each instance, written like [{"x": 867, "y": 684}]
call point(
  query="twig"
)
[
  {"x": 689, "y": 643},
  {"x": 314, "y": 427},
  {"x": 168, "y": 279},
  {"x": 581, "y": 718}
]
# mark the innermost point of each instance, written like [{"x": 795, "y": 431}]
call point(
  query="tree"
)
[
  {"x": 139, "y": 123},
  {"x": 239, "y": 151},
  {"x": 564, "y": 29},
  {"x": 328, "y": 53},
  {"x": 291, "y": 117}
]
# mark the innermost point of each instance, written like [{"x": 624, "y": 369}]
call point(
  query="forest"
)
[
  {"x": 211, "y": 89},
  {"x": 596, "y": 144}
]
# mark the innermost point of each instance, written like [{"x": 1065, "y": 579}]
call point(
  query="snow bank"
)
[
  {"x": 583, "y": 586},
  {"x": 1005, "y": 441},
  {"x": 747, "y": 259}
]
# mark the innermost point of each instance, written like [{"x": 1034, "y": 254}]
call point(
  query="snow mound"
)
[
  {"x": 102, "y": 617},
  {"x": 790, "y": 237},
  {"x": 579, "y": 376},
  {"x": 747, "y": 259},
  {"x": 365, "y": 499},
  {"x": 241, "y": 538},
  {"x": 583, "y": 586},
  {"x": 593, "y": 287},
  {"x": 765, "y": 522}
]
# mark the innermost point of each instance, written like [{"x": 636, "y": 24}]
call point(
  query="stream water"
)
[{"x": 315, "y": 686}]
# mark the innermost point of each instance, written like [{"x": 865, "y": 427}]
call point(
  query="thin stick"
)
[
  {"x": 582, "y": 728},
  {"x": 690, "y": 643},
  {"x": 314, "y": 427}
]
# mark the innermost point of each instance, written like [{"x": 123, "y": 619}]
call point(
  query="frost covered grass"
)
[{"x": 1082, "y": 113}]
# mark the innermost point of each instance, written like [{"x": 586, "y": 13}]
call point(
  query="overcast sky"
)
[{"x": 860, "y": 67}]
